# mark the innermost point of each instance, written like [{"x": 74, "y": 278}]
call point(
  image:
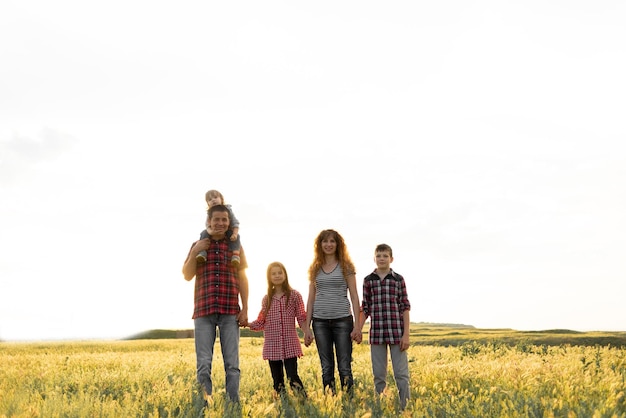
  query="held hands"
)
[
  {"x": 233, "y": 236},
  {"x": 356, "y": 335},
  {"x": 308, "y": 337},
  {"x": 242, "y": 318}
]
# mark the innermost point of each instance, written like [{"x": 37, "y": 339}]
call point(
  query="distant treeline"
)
[
  {"x": 158, "y": 334},
  {"x": 426, "y": 333}
]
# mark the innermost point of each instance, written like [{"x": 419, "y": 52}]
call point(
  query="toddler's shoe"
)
[
  {"x": 235, "y": 260},
  {"x": 201, "y": 257}
]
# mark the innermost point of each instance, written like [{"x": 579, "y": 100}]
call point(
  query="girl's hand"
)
[{"x": 308, "y": 337}]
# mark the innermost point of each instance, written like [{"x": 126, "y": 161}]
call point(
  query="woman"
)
[{"x": 335, "y": 324}]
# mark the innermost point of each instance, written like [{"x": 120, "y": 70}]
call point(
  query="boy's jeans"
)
[{"x": 400, "y": 364}]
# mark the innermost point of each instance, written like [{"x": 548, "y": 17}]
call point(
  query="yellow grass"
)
[{"x": 156, "y": 378}]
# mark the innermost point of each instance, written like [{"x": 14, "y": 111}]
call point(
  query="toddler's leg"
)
[
  {"x": 234, "y": 246},
  {"x": 202, "y": 255}
]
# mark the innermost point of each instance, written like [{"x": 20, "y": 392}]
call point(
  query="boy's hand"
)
[
  {"x": 404, "y": 342},
  {"x": 356, "y": 335}
]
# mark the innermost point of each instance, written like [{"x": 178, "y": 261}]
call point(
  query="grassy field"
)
[{"x": 460, "y": 372}]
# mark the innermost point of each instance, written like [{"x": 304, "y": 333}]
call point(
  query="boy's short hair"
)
[{"x": 384, "y": 247}]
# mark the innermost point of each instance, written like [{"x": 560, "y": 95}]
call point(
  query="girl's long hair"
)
[
  {"x": 343, "y": 257},
  {"x": 271, "y": 289}
]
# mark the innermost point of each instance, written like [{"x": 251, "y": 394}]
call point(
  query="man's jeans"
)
[
  {"x": 329, "y": 333},
  {"x": 205, "y": 334}
]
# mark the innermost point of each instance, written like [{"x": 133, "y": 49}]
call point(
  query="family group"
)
[{"x": 332, "y": 320}]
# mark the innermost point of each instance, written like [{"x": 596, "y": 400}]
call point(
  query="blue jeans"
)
[
  {"x": 205, "y": 335},
  {"x": 329, "y": 333}
]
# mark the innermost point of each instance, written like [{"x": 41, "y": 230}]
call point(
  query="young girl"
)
[
  {"x": 281, "y": 307},
  {"x": 213, "y": 197}
]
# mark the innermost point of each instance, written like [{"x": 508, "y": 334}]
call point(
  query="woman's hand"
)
[{"x": 356, "y": 335}]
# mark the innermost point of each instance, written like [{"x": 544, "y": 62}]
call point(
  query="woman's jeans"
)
[
  {"x": 335, "y": 333},
  {"x": 205, "y": 335}
]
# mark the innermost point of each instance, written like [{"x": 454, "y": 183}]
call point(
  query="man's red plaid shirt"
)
[{"x": 217, "y": 284}]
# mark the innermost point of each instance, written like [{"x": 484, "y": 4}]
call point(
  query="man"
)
[{"x": 218, "y": 287}]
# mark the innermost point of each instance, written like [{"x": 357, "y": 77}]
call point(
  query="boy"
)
[{"x": 386, "y": 302}]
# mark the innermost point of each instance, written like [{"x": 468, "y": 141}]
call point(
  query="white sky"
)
[{"x": 484, "y": 141}]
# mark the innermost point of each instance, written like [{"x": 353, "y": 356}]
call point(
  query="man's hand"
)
[
  {"x": 242, "y": 318},
  {"x": 200, "y": 245}
]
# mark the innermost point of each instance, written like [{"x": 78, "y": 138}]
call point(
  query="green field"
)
[{"x": 460, "y": 372}]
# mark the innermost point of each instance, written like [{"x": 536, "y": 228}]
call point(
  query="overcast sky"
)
[{"x": 483, "y": 140}]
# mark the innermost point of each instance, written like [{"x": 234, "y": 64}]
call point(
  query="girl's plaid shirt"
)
[{"x": 279, "y": 326}]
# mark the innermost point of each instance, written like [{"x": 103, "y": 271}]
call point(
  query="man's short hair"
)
[{"x": 218, "y": 208}]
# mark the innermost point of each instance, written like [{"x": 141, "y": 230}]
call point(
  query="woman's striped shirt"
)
[{"x": 331, "y": 295}]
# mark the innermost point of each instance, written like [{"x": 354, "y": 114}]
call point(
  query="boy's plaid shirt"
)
[{"x": 384, "y": 301}]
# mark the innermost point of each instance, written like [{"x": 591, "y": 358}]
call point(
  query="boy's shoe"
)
[
  {"x": 208, "y": 400},
  {"x": 201, "y": 257},
  {"x": 235, "y": 260}
]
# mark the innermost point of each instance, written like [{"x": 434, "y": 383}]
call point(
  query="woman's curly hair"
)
[{"x": 347, "y": 266}]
